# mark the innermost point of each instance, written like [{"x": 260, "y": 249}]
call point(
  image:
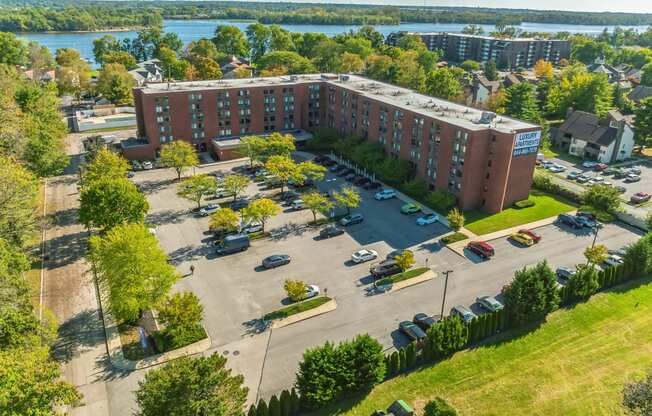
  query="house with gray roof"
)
[
  {"x": 147, "y": 71},
  {"x": 640, "y": 93},
  {"x": 587, "y": 136}
]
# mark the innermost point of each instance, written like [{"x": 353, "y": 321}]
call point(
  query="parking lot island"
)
[
  {"x": 405, "y": 279},
  {"x": 301, "y": 311}
]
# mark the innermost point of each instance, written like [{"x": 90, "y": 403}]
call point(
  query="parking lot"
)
[{"x": 235, "y": 291}]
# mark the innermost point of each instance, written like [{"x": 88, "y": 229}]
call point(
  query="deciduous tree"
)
[
  {"x": 115, "y": 84},
  {"x": 189, "y": 386},
  {"x": 283, "y": 168},
  {"x": 643, "y": 123},
  {"x": 18, "y": 202},
  {"x": 133, "y": 269},
  {"x": 196, "y": 187},
  {"x": 455, "y": 219},
  {"x": 179, "y": 155},
  {"x": 181, "y": 315},
  {"x": 317, "y": 203},
  {"x": 602, "y": 197},
  {"x": 261, "y": 210},
  {"x": 295, "y": 289},
  {"x": 596, "y": 254},
  {"x": 347, "y": 198},
  {"x": 231, "y": 41},
  {"x": 405, "y": 260},
  {"x": 106, "y": 203},
  {"x": 543, "y": 69},
  {"x": 105, "y": 165},
  {"x": 442, "y": 83},
  {"x": 224, "y": 219},
  {"x": 235, "y": 184},
  {"x": 521, "y": 102}
]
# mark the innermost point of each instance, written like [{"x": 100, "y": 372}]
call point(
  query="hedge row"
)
[{"x": 287, "y": 403}]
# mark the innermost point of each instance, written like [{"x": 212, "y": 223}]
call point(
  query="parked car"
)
[
  {"x": 586, "y": 214},
  {"x": 351, "y": 219},
  {"x": 621, "y": 189},
  {"x": 147, "y": 165},
  {"x": 290, "y": 196},
  {"x": 136, "y": 165},
  {"x": 336, "y": 168},
  {"x": 523, "y": 239},
  {"x": 586, "y": 221},
  {"x": 394, "y": 254},
  {"x": 572, "y": 175},
  {"x": 276, "y": 260},
  {"x": 350, "y": 177},
  {"x": 372, "y": 185},
  {"x": 589, "y": 164},
  {"x": 569, "y": 220},
  {"x": 582, "y": 179},
  {"x": 344, "y": 172},
  {"x": 305, "y": 183},
  {"x": 489, "y": 303},
  {"x": 595, "y": 181},
  {"x": 556, "y": 168},
  {"x": 131, "y": 174},
  {"x": 209, "y": 209},
  {"x": 600, "y": 167},
  {"x": 611, "y": 171},
  {"x": 634, "y": 170},
  {"x": 412, "y": 331},
  {"x": 233, "y": 243},
  {"x": 424, "y": 321},
  {"x": 619, "y": 251},
  {"x": 631, "y": 177},
  {"x": 239, "y": 204},
  {"x": 297, "y": 205},
  {"x": 359, "y": 180},
  {"x": 640, "y": 197},
  {"x": 620, "y": 173},
  {"x": 311, "y": 291},
  {"x": 463, "y": 312},
  {"x": 252, "y": 227},
  {"x": 321, "y": 159},
  {"x": 330, "y": 162},
  {"x": 481, "y": 248},
  {"x": 364, "y": 255},
  {"x": 222, "y": 193},
  {"x": 384, "y": 269},
  {"x": 533, "y": 235},
  {"x": 614, "y": 260},
  {"x": 330, "y": 231},
  {"x": 428, "y": 219},
  {"x": 564, "y": 273},
  {"x": 410, "y": 208},
  {"x": 385, "y": 194}
]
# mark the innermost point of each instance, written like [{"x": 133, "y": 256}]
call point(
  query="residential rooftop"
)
[
  {"x": 467, "y": 35},
  {"x": 456, "y": 114}
]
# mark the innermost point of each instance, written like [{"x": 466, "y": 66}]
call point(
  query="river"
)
[{"x": 189, "y": 30}]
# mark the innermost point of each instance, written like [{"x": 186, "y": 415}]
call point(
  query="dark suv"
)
[
  {"x": 330, "y": 231},
  {"x": 384, "y": 269},
  {"x": 570, "y": 220}
]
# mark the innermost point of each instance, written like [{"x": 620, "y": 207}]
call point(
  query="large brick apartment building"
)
[
  {"x": 507, "y": 53},
  {"x": 486, "y": 160}
]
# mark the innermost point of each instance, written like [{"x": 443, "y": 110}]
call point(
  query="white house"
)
[
  {"x": 147, "y": 71},
  {"x": 585, "y": 135}
]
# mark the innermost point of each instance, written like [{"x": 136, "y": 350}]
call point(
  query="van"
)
[
  {"x": 233, "y": 243},
  {"x": 481, "y": 248}
]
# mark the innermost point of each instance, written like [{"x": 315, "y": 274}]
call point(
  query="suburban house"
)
[
  {"x": 640, "y": 93},
  {"x": 147, "y": 71},
  {"x": 587, "y": 136},
  {"x": 600, "y": 67},
  {"x": 229, "y": 69},
  {"x": 483, "y": 89}
]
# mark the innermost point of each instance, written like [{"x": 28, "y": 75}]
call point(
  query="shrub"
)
[
  {"x": 286, "y": 403},
  {"x": 402, "y": 362},
  {"x": 525, "y": 203},
  {"x": 295, "y": 289},
  {"x": 446, "y": 337},
  {"x": 441, "y": 201},
  {"x": 295, "y": 402},
  {"x": 274, "y": 408},
  {"x": 533, "y": 293},
  {"x": 543, "y": 182},
  {"x": 252, "y": 411},
  {"x": 394, "y": 363},
  {"x": 584, "y": 283},
  {"x": 602, "y": 197},
  {"x": 410, "y": 355},
  {"x": 455, "y": 219},
  {"x": 416, "y": 188},
  {"x": 181, "y": 316},
  {"x": 453, "y": 238},
  {"x": 261, "y": 409},
  {"x": 328, "y": 372},
  {"x": 439, "y": 407},
  {"x": 405, "y": 260}
]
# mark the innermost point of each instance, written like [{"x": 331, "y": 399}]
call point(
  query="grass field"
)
[
  {"x": 573, "y": 364},
  {"x": 546, "y": 205}
]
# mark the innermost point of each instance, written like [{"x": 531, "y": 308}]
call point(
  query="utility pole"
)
[{"x": 443, "y": 301}]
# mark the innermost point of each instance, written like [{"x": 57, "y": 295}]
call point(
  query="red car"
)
[
  {"x": 640, "y": 197},
  {"x": 481, "y": 248},
  {"x": 534, "y": 236},
  {"x": 600, "y": 166}
]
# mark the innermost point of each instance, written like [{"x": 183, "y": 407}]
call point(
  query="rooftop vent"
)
[
  {"x": 344, "y": 78},
  {"x": 487, "y": 117}
]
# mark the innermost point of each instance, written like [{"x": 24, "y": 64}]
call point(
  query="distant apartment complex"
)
[
  {"x": 507, "y": 53},
  {"x": 486, "y": 160}
]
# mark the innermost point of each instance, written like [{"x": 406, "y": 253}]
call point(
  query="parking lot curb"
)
[
  {"x": 319, "y": 310},
  {"x": 429, "y": 275}
]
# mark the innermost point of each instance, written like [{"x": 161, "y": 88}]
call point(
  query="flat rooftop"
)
[
  {"x": 466, "y": 35},
  {"x": 457, "y": 114}
]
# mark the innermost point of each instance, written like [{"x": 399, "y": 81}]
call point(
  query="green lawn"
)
[
  {"x": 574, "y": 364},
  {"x": 296, "y": 308},
  {"x": 546, "y": 205}
]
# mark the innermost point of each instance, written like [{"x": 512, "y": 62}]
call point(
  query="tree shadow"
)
[
  {"x": 167, "y": 217},
  {"x": 152, "y": 186},
  {"x": 65, "y": 217},
  {"x": 66, "y": 249},
  {"x": 287, "y": 230},
  {"x": 190, "y": 253},
  {"x": 78, "y": 334}
]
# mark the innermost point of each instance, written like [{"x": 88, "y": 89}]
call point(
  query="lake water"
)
[{"x": 189, "y": 30}]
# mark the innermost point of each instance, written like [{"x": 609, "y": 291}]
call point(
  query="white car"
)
[
  {"x": 147, "y": 165},
  {"x": 556, "y": 168},
  {"x": 209, "y": 209},
  {"x": 596, "y": 181},
  {"x": 252, "y": 227},
  {"x": 614, "y": 260},
  {"x": 589, "y": 164},
  {"x": 311, "y": 291},
  {"x": 222, "y": 193},
  {"x": 385, "y": 194},
  {"x": 361, "y": 256},
  {"x": 428, "y": 219}
]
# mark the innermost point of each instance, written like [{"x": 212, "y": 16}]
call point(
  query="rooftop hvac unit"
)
[
  {"x": 294, "y": 77},
  {"x": 344, "y": 78},
  {"x": 487, "y": 117}
]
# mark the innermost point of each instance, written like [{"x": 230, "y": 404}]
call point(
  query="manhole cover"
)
[
  {"x": 236, "y": 353},
  {"x": 226, "y": 352}
]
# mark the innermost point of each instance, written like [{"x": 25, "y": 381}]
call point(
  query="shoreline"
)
[{"x": 63, "y": 32}]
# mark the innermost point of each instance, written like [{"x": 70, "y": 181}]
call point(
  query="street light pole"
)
[{"x": 443, "y": 301}]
